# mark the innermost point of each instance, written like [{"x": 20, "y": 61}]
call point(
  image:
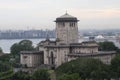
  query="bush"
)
[
  {"x": 6, "y": 71},
  {"x": 74, "y": 76},
  {"x": 41, "y": 74},
  {"x": 87, "y": 68}
]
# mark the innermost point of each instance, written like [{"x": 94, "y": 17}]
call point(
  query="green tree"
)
[
  {"x": 21, "y": 46},
  {"x": 115, "y": 66},
  {"x": 41, "y": 74},
  {"x": 107, "y": 46},
  {"x": 21, "y": 76},
  {"x": 74, "y": 76},
  {"x": 1, "y": 50},
  {"x": 5, "y": 58},
  {"x": 87, "y": 68},
  {"x": 24, "y": 45},
  {"x": 6, "y": 71}
]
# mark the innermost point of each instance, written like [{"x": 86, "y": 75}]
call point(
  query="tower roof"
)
[
  {"x": 66, "y": 18},
  {"x": 66, "y": 15}
]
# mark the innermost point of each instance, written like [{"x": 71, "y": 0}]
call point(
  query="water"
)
[{"x": 5, "y": 44}]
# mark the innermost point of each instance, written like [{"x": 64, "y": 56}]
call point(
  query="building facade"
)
[{"x": 31, "y": 58}]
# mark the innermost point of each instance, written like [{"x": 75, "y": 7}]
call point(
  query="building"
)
[
  {"x": 105, "y": 56},
  {"x": 66, "y": 46},
  {"x": 67, "y": 29},
  {"x": 31, "y": 58}
]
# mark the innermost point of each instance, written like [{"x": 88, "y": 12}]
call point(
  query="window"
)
[
  {"x": 52, "y": 58},
  {"x": 72, "y": 24},
  {"x": 24, "y": 57},
  {"x": 61, "y": 24}
]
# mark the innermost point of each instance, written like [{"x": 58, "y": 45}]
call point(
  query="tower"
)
[{"x": 67, "y": 29}]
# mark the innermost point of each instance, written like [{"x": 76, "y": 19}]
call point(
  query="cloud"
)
[{"x": 43, "y": 12}]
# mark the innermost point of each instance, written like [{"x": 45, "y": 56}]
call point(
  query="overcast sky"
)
[{"x": 40, "y": 14}]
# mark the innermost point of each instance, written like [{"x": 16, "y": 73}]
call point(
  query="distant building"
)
[
  {"x": 26, "y": 34},
  {"x": 66, "y": 47}
]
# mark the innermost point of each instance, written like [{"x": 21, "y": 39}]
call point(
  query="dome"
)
[
  {"x": 66, "y": 18},
  {"x": 66, "y": 15}
]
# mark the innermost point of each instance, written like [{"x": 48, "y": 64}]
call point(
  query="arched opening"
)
[
  {"x": 52, "y": 61},
  {"x": 52, "y": 58}
]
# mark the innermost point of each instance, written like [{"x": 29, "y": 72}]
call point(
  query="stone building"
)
[
  {"x": 66, "y": 46},
  {"x": 67, "y": 29},
  {"x": 31, "y": 58}
]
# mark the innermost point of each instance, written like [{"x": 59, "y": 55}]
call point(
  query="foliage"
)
[
  {"x": 5, "y": 71},
  {"x": 24, "y": 45},
  {"x": 4, "y": 67},
  {"x": 115, "y": 66},
  {"x": 5, "y": 58},
  {"x": 87, "y": 68},
  {"x": 37, "y": 75},
  {"x": 1, "y": 50},
  {"x": 74, "y": 76},
  {"x": 107, "y": 46},
  {"x": 8, "y": 59},
  {"x": 41, "y": 74},
  {"x": 6, "y": 75},
  {"x": 21, "y": 76},
  {"x": 21, "y": 46}
]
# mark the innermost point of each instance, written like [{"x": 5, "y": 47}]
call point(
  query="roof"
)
[
  {"x": 66, "y": 15},
  {"x": 89, "y": 42},
  {"x": 31, "y": 52},
  {"x": 77, "y": 45},
  {"x": 92, "y": 54},
  {"x": 66, "y": 18}
]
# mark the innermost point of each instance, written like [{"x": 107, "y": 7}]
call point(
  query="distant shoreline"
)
[{"x": 23, "y": 38}]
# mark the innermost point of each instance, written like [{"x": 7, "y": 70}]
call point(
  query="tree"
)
[
  {"x": 41, "y": 74},
  {"x": 21, "y": 76},
  {"x": 5, "y": 58},
  {"x": 6, "y": 71},
  {"x": 87, "y": 68},
  {"x": 24, "y": 45},
  {"x": 21, "y": 46},
  {"x": 107, "y": 46},
  {"x": 1, "y": 50},
  {"x": 115, "y": 66},
  {"x": 74, "y": 76}
]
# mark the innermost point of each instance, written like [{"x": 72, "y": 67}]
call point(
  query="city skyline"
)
[{"x": 40, "y": 14}]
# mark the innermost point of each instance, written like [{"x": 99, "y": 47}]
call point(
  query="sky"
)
[{"x": 40, "y": 14}]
